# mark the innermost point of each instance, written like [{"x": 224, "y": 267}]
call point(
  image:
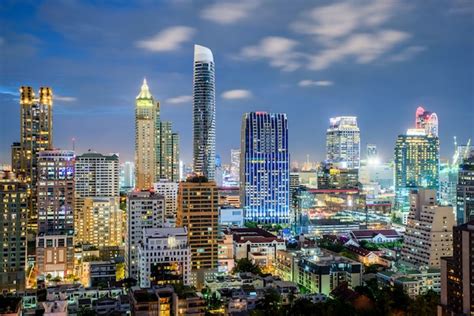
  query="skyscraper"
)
[
  {"x": 127, "y": 176},
  {"x": 97, "y": 176},
  {"x": 428, "y": 235},
  {"x": 169, "y": 190},
  {"x": 416, "y": 164},
  {"x": 465, "y": 191},
  {"x": 426, "y": 120},
  {"x": 55, "y": 189},
  {"x": 36, "y": 120},
  {"x": 167, "y": 152},
  {"x": 145, "y": 138},
  {"x": 102, "y": 222},
  {"x": 13, "y": 220},
  {"x": 198, "y": 210},
  {"x": 343, "y": 142},
  {"x": 204, "y": 112},
  {"x": 265, "y": 167},
  {"x": 235, "y": 164}
]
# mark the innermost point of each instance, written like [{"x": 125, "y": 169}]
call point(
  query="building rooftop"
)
[
  {"x": 369, "y": 233},
  {"x": 257, "y": 235}
]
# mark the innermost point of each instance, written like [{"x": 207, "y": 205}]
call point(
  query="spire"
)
[{"x": 145, "y": 91}]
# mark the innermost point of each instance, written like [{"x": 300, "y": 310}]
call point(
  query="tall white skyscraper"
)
[
  {"x": 127, "y": 176},
  {"x": 204, "y": 113},
  {"x": 235, "y": 164},
  {"x": 343, "y": 142}
]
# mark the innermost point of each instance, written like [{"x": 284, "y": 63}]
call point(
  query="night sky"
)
[{"x": 377, "y": 60}]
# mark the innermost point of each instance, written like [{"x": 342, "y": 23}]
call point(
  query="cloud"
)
[
  {"x": 236, "y": 94},
  {"x": 407, "y": 53},
  {"x": 64, "y": 98},
  {"x": 315, "y": 83},
  {"x": 364, "y": 48},
  {"x": 227, "y": 12},
  {"x": 169, "y": 39},
  {"x": 279, "y": 51},
  {"x": 180, "y": 99}
]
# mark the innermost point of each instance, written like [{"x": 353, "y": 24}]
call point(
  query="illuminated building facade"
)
[
  {"x": 465, "y": 191},
  {"x": 331, "y": 177},
  {"x": 36, "y": 125},
  {"x": 426, "y": 120},
  {"x": 167, "y": 152},
  {"x": 13, "y": 220},
  {"x": 416, "y": 164},
  {"x": 169, "y": 190},
  {"x": 204, "y": 113},
  {"x": 343, "y": 142},
  {"x": 164, "y": 257},
  {"x": 429, "y": 230},
  {"x": 103, "y": 222},
  {"x": 97, "y": 176},
  {"x": 145, "y": 138},
  {"x": 198, "y": 210},
  {"x": 235, "y": 165},
  {"x": 127, "y": 176},
  {"x": 145, "y": 209},
  {"x": 264, "y": 171},
  {"x": 55, "y": 189}
]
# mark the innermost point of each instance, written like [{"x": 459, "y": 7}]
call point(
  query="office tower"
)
[
  {"x": 97, "y": 175},
  {"x": 36, "y": 125},
  {"x": 127, "y": 176},
  {"x": 145, "y": 138},
  {"x": 331, "y": 177},
  {"x": 465, "y": 190},
  {"x": 429, "y": 230},
  {"x": 169, "y": 190},
  {"x": 167, "y": 152},
  {"x": 264, "y": 171},
  {"x": 198, "y": 211},
  {"x": 13, "y": 220},
  {"x": 55, "y": 189},
  {"x": 235, "y": 164},
  {"x": 164, "y": 257},
  {"x": 427, "y": 121},
  {"x": 457, "y": 274},
  {"x": 416, "y": 164},
  {"x": 16, "y": 157},
  {"x": 371, "y": 151},
  {"x": 204, "y": 113},
  {"x": 343, "y": 142},
  {"x": 145, "y": 209},
  {"x": 103, "y": 222}
]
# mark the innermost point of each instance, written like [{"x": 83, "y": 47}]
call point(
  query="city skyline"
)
[{"x": 252, "y": 75}]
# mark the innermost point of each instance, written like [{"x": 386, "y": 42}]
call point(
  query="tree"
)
[
  {"x": 271, "y": 302},
  {"x": 245, "y": 265},
  {"x": 424, "y": 305}
]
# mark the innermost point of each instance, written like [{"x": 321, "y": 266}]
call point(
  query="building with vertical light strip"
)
[
  {"x": 55, "y": 189},
  {"x": 264, "y": 170},
  {"x": 416, "y": 165},
  {"x": 343, "y": 142},
  {"x": 204, "y": 113},
  {"x": 465, "y": 190},
  {"x": 36, "y": 123}
]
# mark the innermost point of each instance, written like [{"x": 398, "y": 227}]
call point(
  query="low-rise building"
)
[
  {"x": 375, "y": 236},
  {"x": 99, "y": 273},
  {"x": 414, "y": 282},
  {"x": 230, "y": 217}
]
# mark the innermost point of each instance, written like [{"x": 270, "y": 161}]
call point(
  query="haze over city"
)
[{"x": 377, "y": 60}]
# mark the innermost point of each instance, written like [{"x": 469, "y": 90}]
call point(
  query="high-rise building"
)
[
  {"x": 145, "y": 209},
  {"x": 55, "y": 189},
  {"x": 103, "y": 222},
  {"x": 127, "y": 176},
  {"x": 235, "y": 164},
  {"x": 97, "y": 176},
  {"x": 198, "y": 211},
  {"x": 145, "y": 138},
  {"x": 343, "y": 142},
  {"x": 164, "y": 256},
  {"x": 416, "y": 164},
  {"x": 457, "y": 274},
  {"x": 13, "y": 220},
  {"x": 167, "y": 152},
  {"x": 331, "y": 177},
  {"x": 169, "y": 190},
  {"x": 204, "y": 112},
  {"x": 465, "y": 191},
  {"x": 371, "y": 151},
  {"x": 36, "y": 124},
  {"x": 429, "y": 230},
  {"x": 426, "y": 120},
  {"x": 265, "y": 168}
]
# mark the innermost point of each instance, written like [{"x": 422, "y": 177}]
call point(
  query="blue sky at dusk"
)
[{"x": 377, "y": 60}]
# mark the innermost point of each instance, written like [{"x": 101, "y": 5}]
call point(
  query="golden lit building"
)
[
  {"x": 36, "y": 125},
  {"x": 198, "y": 211},
  {"x": 102, "y": 221}
]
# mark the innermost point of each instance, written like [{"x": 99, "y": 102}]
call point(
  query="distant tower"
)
[
  {"x": 343, "y": 142},
  {"x": 145, "y": 138},
  {"x": 426, "y": 120},
  {"x": 265, "y": 168},
  {"x": 204, "y": 112}
]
